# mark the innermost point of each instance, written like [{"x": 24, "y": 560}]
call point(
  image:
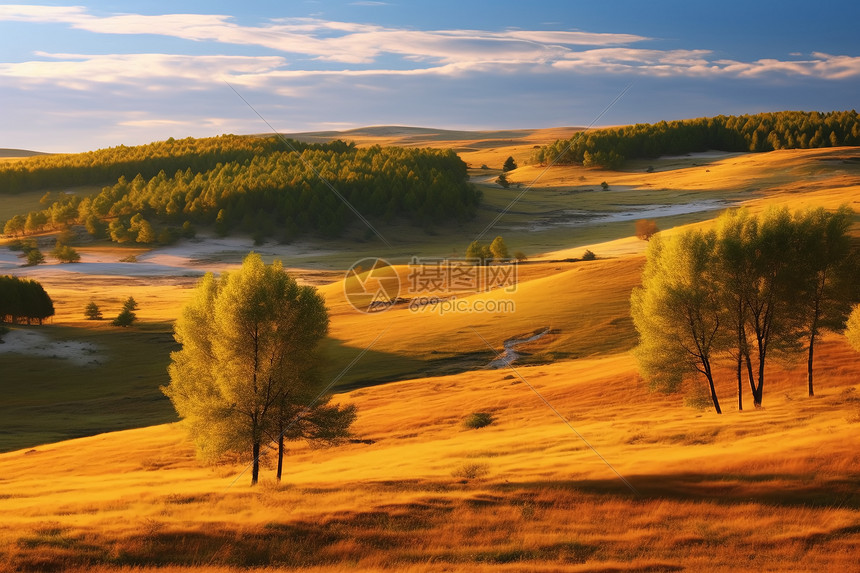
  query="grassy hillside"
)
[
  {"x": 583, "y": 304},
  {"x": 773, "y": 489}
]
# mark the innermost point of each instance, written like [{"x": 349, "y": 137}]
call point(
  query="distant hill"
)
[
  {"x": 431, "y": 137},
  {"x": 5, "y": 153}
]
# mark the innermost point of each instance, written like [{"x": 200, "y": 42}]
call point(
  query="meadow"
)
[{"x": 611, "y": 478}]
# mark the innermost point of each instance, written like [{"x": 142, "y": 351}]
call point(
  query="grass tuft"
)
[{"x": 477, "y": 420}]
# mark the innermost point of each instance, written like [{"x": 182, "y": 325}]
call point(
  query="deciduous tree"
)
[
  {"x": 830, "y": 274},
  {"x": 244, "y": 373},
  {"x": 677, "y": 311},
  {"x": 499, "y": 249}
]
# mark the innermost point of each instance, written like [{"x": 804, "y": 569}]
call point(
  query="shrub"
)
[
  {"x": 645, "y": 229},
  {"x": 34, "y": 257},
  {"x": 477, "y": 420},
  {"x": 588, "y": 255},
  {"x": 66, "y": 254},
  {"x": 471, "y": 471}
]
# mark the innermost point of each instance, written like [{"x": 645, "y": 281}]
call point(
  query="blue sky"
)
[{"x": 78, "y": 76}]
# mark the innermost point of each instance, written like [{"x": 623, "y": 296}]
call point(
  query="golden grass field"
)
[{"x": 773, "y": 489}]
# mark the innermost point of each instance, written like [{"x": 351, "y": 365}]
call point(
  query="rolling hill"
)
[{"x": 581, "y": 469}]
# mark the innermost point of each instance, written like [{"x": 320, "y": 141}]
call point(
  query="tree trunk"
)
[
  {"x": 809, "y": 363},
  {"x": 758, "y": 391},
  {"x": 710, "y": 378},
  {"x": 714, "y": 396},
  {"x": 280, "y": 454},
  {"x": 749, "y": 369},
  {"x": 740, "y": 383},
  {"x": 255, "y": 467}
]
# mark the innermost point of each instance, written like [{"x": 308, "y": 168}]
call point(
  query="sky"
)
[{"x": 80, "y": 76}]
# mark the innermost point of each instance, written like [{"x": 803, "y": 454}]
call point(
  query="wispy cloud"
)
[
  {"x": 333, "y": 41},
  {"x": 309, "y": 47},
  {"x": 82, "y": 71},
  {"x": 303, "y": 71}
]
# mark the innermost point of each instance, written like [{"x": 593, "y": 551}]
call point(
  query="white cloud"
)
[
  {"x": 80, "y": 71},
  {"x": 360, "y": 47},
  {"x": 27, "y": 13},
  {"x": 344, "y": 42},
  {"x": 697, "y": 63}
]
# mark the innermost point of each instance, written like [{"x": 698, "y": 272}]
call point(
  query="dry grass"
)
[{"x": 773, "y": 489}]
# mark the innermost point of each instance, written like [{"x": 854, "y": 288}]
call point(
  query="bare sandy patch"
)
[
  {"x": 32, "y": 343},
  {"x": 188, "y": 258}
]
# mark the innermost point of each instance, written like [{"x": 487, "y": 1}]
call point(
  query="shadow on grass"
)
[
  {"x": 49, "y": 399},
  {"x": 781, "y": 490},
  {"x": 377, "y": 367},
  {"x": 396, "y": 535}
]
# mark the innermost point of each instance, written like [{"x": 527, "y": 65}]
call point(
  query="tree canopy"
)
[
  {"x": 126, "y": 316},
  {"x": 257, "y": 185},
  {"x": 754, "y": 288},
  {"x": 610, "y": 148},
  {"x": 245, "y": 375},
  {"x": 23, "y": 300}
]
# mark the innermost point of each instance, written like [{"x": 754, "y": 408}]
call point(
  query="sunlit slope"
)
[
  {"x": 743, "y": 172},
  {"x": 477, "y": 148},
  {"x": 710, "y": 489},
  {"x": 585, "y": 306}
]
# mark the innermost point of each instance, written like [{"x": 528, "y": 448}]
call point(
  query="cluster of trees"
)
[
  {"x": 609, "y": 148},
  {"x": 247, "y": 371},
  {"x": 754, "y": 288},
  {"x": 126, "y": 316},
  {"x": 29, "y": 251},
  {"x": 23, "y": 300},
  {"x": 267, "y": 191},
  {"x": 34, "y": 256},
  {"x": 486, "y": 254}
]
